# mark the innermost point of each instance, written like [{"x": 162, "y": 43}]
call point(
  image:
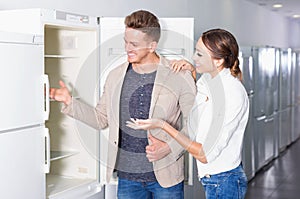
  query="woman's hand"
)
[
  {"x": 145, "y": 124},
  {"x": 178, "y": 65}
]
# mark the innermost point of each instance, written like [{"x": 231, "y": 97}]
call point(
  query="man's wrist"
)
[{"x": 68, "y": 100}]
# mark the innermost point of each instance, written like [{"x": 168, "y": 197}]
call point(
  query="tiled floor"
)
[{"x": 280, "y": 179}]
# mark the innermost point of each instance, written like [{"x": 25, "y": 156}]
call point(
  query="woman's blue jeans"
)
[{"x": 227, "y": 185}]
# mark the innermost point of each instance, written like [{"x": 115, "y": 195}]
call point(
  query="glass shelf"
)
[
  {"x": 57, "y": 184},
  {"x": 53, "y": 100},
  {"x": 59, "y": 56},
  {"x": 56, "y": 155}
]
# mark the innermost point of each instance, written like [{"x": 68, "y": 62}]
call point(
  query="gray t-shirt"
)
[{"x": 132, "y": 163}]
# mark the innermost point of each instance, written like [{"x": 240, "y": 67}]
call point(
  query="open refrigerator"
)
[
  {"x": 67, "y": 43},
  {"x": 80, "y": 50}
]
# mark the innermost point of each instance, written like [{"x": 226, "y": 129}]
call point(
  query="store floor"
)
[{"x": 279, "y": 179}]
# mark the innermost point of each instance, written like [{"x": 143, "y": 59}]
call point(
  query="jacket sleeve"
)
[
  {"x": 95, "y": 117},
  {"x": 186, "y": 102}
]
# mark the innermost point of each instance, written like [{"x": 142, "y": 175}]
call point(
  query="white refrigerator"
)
[
  {"x": 23, "y": 135},
  {"x": 68, "y": 160}
]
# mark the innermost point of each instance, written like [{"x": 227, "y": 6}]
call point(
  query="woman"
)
[{"x": 219, "y": 116}]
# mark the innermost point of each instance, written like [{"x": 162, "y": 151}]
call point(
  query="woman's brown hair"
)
[{"x": 223, "y": 45}]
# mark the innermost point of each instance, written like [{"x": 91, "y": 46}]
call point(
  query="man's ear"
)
[{"x": 153, "y": 46}]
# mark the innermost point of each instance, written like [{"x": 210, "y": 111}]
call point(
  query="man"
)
[{"x": 148, "y": 164}]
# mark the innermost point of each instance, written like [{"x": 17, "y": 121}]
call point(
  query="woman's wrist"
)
[{"x": 162, "y": 124}]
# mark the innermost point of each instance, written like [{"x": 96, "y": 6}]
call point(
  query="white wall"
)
[{"x": 250, "y": 23}]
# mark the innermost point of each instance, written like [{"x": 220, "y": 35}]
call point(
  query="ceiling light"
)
[
  {"x": 296, "y": 16},
  {"x": 277, "y": 5}
]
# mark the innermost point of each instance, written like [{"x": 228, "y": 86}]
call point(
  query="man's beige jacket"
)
[{"x": 172, "y": 98}]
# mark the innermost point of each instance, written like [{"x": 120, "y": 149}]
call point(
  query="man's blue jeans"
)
[
  {"x": 147, "y": 190},
  {"x": 229, "y": 184}
]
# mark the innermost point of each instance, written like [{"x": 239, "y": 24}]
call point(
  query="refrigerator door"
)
[
  {"x": 259, "y": 82},
  {"x": 176, "y": 42},
  {"x": 285, "y": 99},
  {"x": 268, "y": 61},
  {"x": 297, "y": 97},
  {"x": 22, "y": 81},
  {"x": 31, "y": 20},
  {"x": 22, "y": 158},
  {"x": 246, "y": 63}
]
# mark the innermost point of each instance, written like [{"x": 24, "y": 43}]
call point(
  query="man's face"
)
[{"x": 137, "y": 46}]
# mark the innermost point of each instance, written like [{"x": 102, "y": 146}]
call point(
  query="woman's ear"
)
[{"x": 219, "y": 62}]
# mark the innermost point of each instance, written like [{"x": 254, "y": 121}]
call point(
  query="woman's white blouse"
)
[{"x": 218, "y": 120}]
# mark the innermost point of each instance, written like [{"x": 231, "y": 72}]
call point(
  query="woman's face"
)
[{"x": 204, "y": 63}]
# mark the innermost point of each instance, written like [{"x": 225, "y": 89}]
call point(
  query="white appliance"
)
[
  {"x": 176, "y": 42},
  {"x": 77, "y": 49},
  {"x": 23, "y": 114}
]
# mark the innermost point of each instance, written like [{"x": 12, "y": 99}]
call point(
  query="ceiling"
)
[{"x": 289, "y": 8}]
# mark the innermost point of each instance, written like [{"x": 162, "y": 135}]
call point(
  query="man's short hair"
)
[{"x": 145, "y": 22}]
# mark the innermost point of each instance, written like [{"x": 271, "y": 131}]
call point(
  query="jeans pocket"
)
[
  {"x": 210, "y": 187},
  {"x": 242, "y": 186}
]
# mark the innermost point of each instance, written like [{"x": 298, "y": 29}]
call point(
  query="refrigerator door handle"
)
[
  {"x": 261, "y": 117},
  {"x": 47, "y": 144},
  {"x": 269, "y": 120},
  {"x": 47, "y": 100}
]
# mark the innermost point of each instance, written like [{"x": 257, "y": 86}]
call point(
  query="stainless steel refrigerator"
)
[
  {"x": 246, "y": 65},
  {"x": 285, "y": 102},
  {"x": 296, "y": 97},
  {"x": 264, "y": 59}
]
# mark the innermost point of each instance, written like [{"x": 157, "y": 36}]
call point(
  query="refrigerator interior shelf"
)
[
  {"x": 53, "y": 100},
  {"x": 55, "y": 155},
  {"x": 57, "y": 184},
  {"x": 60, "y": 56}
]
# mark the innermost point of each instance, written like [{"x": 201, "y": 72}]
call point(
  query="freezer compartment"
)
[
  {"x": 259, "y": 142},
  {"x": 71, "y": 55},
  {"x": 22, "y": 158},
  {"x": 284, "y": 128},
  {"x": 269, "y": 137},
  {"x": 248, "y": 145},
  {"x": 296, "y": 133}
]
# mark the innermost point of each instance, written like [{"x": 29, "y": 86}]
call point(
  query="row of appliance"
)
[
  {"x": 271, "y": 80},
  {"x": 45, "y": 154}
]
